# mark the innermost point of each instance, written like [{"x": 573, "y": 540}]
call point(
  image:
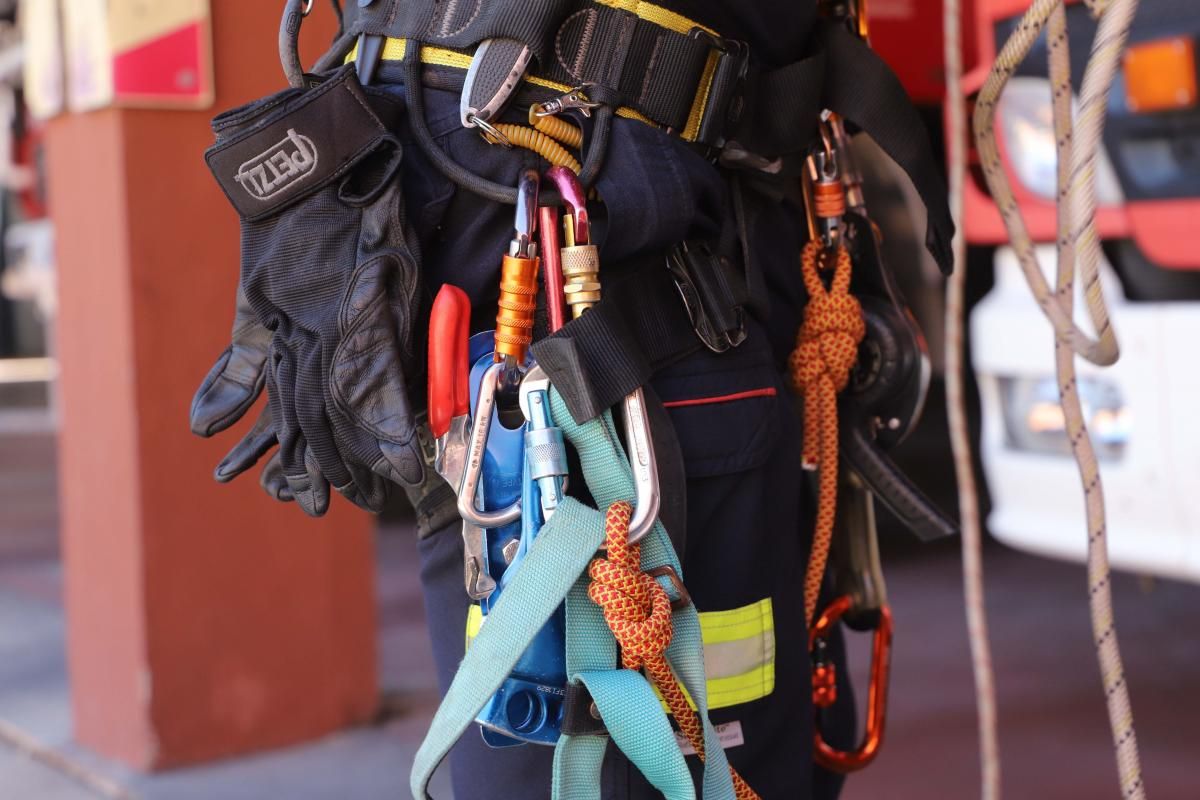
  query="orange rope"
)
[
  {"x": 638, "y": 611},
  {"x": 826, "y": 349}
]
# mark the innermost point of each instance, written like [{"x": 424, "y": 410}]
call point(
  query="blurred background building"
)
[{"x": 165, "y": 637}]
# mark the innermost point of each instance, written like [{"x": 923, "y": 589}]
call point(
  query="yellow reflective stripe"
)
[
  {"x": 739, "y": 652},
  {"x": 738, "y": 623},
  {"x": 737, "y": 689},
  {"x": 474, "y": 623},
  {"x": 726, "y": 659},
  {"x": 656, "y": 15}
]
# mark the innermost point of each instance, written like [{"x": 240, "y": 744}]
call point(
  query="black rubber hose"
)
[
  {"x": 468, "y": 180},
  {"x": 336, "y": 55}
]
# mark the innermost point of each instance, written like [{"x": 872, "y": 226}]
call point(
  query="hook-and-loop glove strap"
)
[{"x": 328, "y": 268}]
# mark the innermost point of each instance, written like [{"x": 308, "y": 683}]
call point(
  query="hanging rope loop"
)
[
  {"x": 826, "y": 350},
  {"x": 638, "y": 610}
]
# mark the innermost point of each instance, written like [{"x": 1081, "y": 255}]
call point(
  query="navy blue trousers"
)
[{"x": 748, "y": 529}]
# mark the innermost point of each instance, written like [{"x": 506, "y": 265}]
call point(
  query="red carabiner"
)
[{"x": 824, "y": 693}]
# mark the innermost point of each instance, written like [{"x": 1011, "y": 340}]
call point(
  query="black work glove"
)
[
  {"x": 229, "y": 390},
  {"x": 327, "y": 268}
]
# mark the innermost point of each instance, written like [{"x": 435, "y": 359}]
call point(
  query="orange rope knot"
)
[
  {"x": 638, "y": 610},
  {"x": 636, "y": 607},
  {"x": 826, "y": 349}
]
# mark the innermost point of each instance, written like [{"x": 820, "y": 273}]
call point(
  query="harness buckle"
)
[
  {"x": 573, "y": 100},
  {"x": 725, "y": 103},
  {"x": 682, "y": 598}
]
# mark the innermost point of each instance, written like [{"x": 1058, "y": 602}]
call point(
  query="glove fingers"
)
[
  {"x": 272, "y": 481},
  {"x": 360, "y": 452},
  {"x": 253, "y": 446},
  {"x": 228, "y": 391},
  {"x": 366, "y": 490},
  {"x": 309, "y": 487},
  {"x": 236, "y": 380},
  {"x": 367, "y": 377},
  {"x": 309, "y": 408}
]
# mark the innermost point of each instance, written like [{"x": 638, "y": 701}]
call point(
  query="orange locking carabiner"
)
[{"x": 825, "y": 693}]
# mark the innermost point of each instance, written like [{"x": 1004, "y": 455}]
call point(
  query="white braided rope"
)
[
  {"x": 1078, "y": 144},
  {"x": 960, "y": 441}
]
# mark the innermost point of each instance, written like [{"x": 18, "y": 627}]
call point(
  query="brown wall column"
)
[{"x": 203, "y": 620}]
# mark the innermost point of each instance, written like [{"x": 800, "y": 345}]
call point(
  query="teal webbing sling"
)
[{"x": 554, "y": 571}]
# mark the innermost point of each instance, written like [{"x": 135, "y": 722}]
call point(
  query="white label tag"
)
[{"x": 730, "y": 735}]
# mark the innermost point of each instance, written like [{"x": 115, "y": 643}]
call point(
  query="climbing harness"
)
[
  {"x": 541, "y": 666},
  {"x": 531, "y": 703},
  {"x": 1078, "y": 141}
]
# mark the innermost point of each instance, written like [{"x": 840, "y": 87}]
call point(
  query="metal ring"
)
[
  {"x": 489, "y": 132},
  {"x": 308, "y": 7}
]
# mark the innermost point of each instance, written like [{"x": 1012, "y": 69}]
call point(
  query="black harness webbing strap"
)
[
  {"x": 662, "y": 69},
  {"x": 782, "y": 108},
  {"x": 844, "y": 75},
  {"x": 639, "y": 327},
  {"x": 462, "y": 24},
  {"x": 653, "y": 70},
  {"x": 863, "y": 89}
]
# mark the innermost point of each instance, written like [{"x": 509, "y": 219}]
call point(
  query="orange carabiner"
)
[{"x": 844, "y": 761}]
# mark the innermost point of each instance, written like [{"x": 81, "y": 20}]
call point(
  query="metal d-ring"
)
[{"x": 489, "y": 132}]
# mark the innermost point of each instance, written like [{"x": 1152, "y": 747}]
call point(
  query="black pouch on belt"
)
[{"x": 330, "y": 269}]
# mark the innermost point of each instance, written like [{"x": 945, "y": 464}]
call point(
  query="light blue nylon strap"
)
[
  {"x": 549, "y": 574},
  {"x": 635, "y": 719},
  {"x": 591, "y": 648},
  {"x": 558, "y": 556}
]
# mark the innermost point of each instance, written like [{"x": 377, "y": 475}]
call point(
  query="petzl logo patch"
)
[{"x": 279, "y": 168}]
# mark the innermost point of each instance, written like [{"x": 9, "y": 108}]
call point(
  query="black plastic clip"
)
[{"x": 706, "y": 282}]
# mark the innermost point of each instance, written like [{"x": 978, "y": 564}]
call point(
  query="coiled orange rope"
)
[
  {"x": 826, "y": 349},
  {"x": 638, "y": 611}
]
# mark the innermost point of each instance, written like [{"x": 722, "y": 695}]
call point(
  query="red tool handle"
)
[
  {"x": 551, "y": 246},
  {"x": 449, "y": 327}
]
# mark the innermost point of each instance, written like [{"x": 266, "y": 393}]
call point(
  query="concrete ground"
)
[{"x": 1053, "y": 729}]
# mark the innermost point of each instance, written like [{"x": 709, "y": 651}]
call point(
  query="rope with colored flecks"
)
[
  {"x": 1078, "y": 143},
  {"x": 826, "y": 349},
  {"x": 956, "y": 410},
  {"x": 638, "y": 611}
]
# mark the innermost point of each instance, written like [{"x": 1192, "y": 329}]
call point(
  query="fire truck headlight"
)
[
  {"x": 1027, "y": 125},
  {"x": 1034, "y": 421}
]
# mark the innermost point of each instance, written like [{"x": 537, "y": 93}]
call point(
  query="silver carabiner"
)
[
  {"x": 481, "y": 424},
  {"x": 640, "y": 446}
]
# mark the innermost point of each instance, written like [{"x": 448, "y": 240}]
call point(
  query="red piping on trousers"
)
[{"x": 725, "y": 398}]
